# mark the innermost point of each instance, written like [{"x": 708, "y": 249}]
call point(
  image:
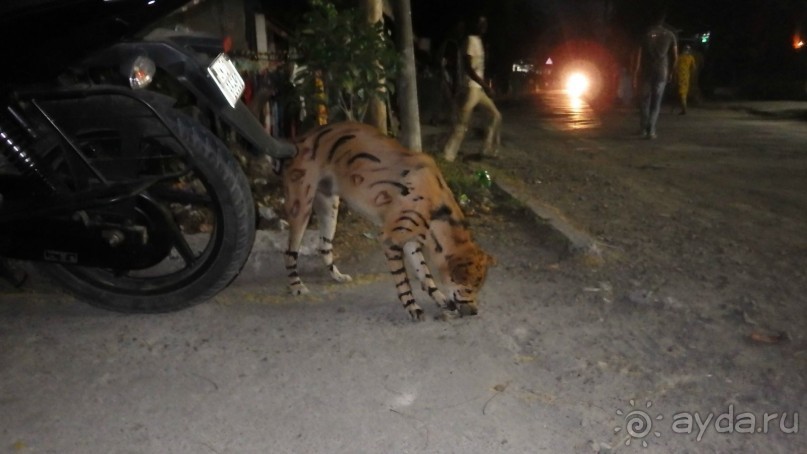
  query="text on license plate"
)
[{"x": 227, "y": 78}]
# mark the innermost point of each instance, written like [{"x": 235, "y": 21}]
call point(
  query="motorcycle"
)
[{"x": 106, "y": 138}]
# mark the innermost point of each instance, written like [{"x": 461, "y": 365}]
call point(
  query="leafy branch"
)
[{"x": 344, "y": 60}]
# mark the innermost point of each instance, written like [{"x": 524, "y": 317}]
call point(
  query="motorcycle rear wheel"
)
[{"x": 200, "y": 264}]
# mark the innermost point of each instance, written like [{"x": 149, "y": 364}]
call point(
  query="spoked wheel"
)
[{"x": 199, "y": 224}]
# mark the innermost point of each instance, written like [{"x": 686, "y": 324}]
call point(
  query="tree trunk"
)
[
  {"x": 377, "y": 110},
  {"x": 407, "y": 80}
]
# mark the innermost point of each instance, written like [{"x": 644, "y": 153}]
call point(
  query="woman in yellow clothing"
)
[{"x": 684, "y": 68}]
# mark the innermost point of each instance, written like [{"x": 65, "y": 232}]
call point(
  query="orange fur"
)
[{"x": 401, "y": 191}]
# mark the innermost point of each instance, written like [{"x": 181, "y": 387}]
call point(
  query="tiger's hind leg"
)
[
  {"x": 296, "y": 286},
  {"x": 414, "y": 256},
  {"x": 395, "y": 261},
  {"x": 327, "y": 210},
  {"x": 298, "y": 214}
]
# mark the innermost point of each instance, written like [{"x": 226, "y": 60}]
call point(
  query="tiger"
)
[{"x": 402, "y": 192}]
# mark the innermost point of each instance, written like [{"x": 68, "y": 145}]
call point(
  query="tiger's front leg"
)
[
  {"x": 327, "y": 209},
  {"x": 414, "y": 255},
  {"x": 395, "y": 260}
]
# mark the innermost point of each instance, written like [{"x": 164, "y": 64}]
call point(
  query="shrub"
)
[{"x": 344, "y": 60}]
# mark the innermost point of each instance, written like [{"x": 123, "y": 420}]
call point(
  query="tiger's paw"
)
[
  {"x": 441, "y": 301},
  {"x": 339, "y": 277},
  {"x": 416, "y": 313},
  {"x": 298, "y": 290}
]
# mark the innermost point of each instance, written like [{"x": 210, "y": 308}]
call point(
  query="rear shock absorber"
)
[{"x": 13, "y": 144}]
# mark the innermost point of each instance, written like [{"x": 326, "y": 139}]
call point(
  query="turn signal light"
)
[{"x": 142, "y": 72}]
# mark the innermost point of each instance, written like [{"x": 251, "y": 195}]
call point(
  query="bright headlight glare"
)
[
  {"x": 577, "y": 84},
  {"x": 142, "y": 73}
]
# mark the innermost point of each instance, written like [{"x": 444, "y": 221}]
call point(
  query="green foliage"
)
[
  {"x": 464, "y": 181},
  {"x": 356, "y": 59}
]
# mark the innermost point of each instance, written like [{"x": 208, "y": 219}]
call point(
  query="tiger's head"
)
[{"x": 467, "y": 270}]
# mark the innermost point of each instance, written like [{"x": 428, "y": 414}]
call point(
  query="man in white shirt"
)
[{"x": 477, "y": 92}]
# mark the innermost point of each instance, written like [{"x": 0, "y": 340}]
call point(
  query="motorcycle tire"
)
[{"x": 220, "y": 259}]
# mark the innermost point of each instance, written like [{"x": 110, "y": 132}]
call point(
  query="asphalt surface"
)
[
  {"x": 342, "y": 370},
  {"x": 579, "y": 241}
]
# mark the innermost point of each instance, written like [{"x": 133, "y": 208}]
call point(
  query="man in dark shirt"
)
[{"x": 657, "y": 56}]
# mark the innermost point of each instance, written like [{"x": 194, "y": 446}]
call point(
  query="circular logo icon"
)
[{"x": 638, "y": 423}]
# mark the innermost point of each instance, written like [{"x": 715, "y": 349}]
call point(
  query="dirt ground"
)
[
  {"x": 693, "y": 306},
  {"x": 697, "y": 303},
  {"x": 702, "y": 234},
  {"x": 721, "y": 214},
  {"x": 709, "y": 220},
  {"x": 717, "y": 208}
]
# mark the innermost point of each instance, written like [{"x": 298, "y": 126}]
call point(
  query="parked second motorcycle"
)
[{"x": 101, "y": 155}]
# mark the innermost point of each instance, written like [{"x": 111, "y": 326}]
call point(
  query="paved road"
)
[{"x": 550, "y": 365}]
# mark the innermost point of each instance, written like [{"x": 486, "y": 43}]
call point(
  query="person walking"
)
[
  {"x": 684, "y": 68},
  {"x": 476, "y": 92},
  {"x": 656, "y": 58}
]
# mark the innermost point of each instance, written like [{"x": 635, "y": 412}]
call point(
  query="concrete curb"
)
[
  {"x": 793, "y": 110},
  {"x": 578, "y": 242},
  {"x": 790, "y": 114}
]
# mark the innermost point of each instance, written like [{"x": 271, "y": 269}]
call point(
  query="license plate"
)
[{"x": 227, "y": 78}]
